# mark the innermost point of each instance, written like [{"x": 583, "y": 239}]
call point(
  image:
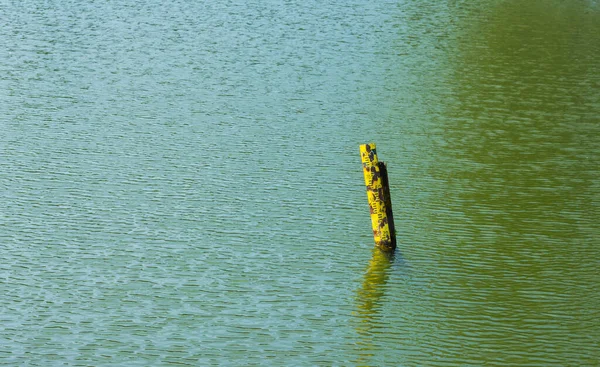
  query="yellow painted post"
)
[{"x": 378, "y": 196}]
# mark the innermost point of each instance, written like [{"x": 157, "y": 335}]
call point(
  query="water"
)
[{"x": 181, "y": 184}]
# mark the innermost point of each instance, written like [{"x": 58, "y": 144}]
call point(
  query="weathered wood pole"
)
[{"x": 378, "y": 195}]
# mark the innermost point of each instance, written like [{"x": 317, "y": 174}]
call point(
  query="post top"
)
[{"x": 368, "y": 153}]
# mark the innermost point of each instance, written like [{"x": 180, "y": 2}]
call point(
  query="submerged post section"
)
[{"x": 380, "y": 204}]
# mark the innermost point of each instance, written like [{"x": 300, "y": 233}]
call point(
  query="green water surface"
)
[{"x": 180, "y": 183}]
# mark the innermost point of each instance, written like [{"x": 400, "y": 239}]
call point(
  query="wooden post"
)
[{"x": 378, "y": 195}]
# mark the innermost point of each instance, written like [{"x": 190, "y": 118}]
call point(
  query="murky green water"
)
[{"x": 180, "y": 183}]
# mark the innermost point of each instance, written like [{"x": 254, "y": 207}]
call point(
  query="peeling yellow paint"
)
[{"x": 376, "y": 196}]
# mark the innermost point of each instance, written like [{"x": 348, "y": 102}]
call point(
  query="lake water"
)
[{"x": 180, "y": 183}]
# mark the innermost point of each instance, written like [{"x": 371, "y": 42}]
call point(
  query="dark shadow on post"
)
[{"x": 385, "y": 183}]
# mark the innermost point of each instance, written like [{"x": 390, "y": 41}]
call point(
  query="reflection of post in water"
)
[
  {"x": 374, "y": 282},
  {"x": 369, "y": 298}
]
